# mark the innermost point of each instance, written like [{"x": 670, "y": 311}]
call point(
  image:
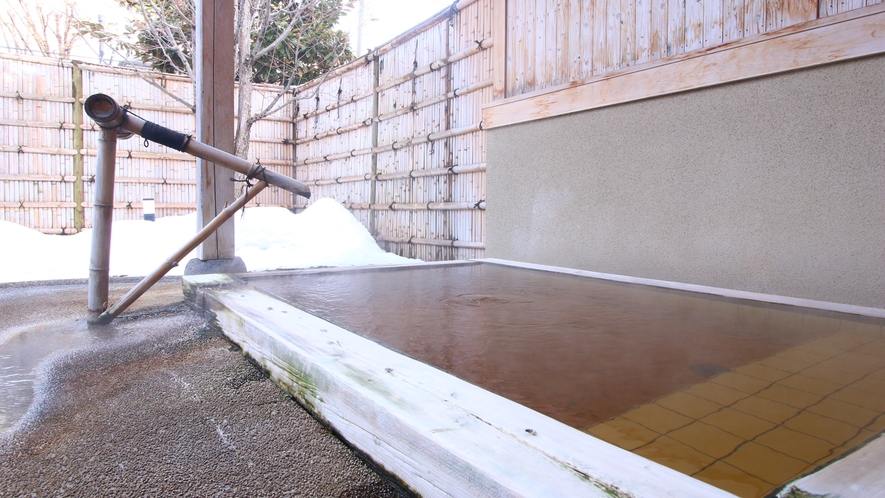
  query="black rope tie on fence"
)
[{"x": 258, "y": 171}]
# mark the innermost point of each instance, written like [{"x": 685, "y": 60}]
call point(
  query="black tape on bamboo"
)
[{"x": 164, "y": 136}]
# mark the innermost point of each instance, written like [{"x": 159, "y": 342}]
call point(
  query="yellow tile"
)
[
  {"x": 836, "y": 344},
  {"x": 803, "y": 355},
  {"x": 861, "y": 398},
  {"x": 878, "y": 374},
  {"x": 874, "y": 331},
  {"x": 657, "y": 418},
  {"x": 765, "y": 409},
  {"x": 822, "y": 349},
  {"x": 762, "y": 372},
  {"x": 877, "y": 425},
  {"x": 810, "y": 385},
  {"x": 856, "y": 338},
  {"x": 738, "y": 423},
  {"x": 867, "y": 356},
  {"x": 688, "y": 405},
  {"x": 789, "y": 396},
  {"x": 855, "y": 443},
  {"x": 815, "y": 324},
  {"x": 716, "y": 393},
  {"x": 765, "y": 464},
  {"x": 622, "y": 433},
  {"x": 675, "y": 455},
  {"x": 741, "y": 382},
  {"x": 785, "y": 364},
  {"x": 845, "y": 363},
  {"x": 796, "y": 444},
  {"x": 831, "y": 375},
  {"x": 828, "y": 429},
  {"x": 870, "y": 385},
  {"x": 846, "y": 412},
  {"x": 707, "y": 439},
  {"x": 734, "y": 480}
]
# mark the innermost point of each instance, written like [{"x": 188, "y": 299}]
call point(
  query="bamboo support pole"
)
[
  {"x": 77, "y": 115},
  {"x": 173, "y": 261},
  {"x": 103, "y": 211},
  {"x": 105, "y": 111}
]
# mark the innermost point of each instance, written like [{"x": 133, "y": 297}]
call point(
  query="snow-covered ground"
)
[{"x": 325, "y": 234}]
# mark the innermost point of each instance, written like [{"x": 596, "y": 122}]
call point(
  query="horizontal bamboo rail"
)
[
  {"x": 22, "y": 149},
  {"x": 415, "y": 173},
  {"x": 396, "y": 145},
  {"x": 61, "y": 125},
  {"x": 439, "y": 64},
  {"x": 422, "y": 206},
  {"x": 37, "y": 97},
  {"x": 432, "y": 242},
  {"x": 390, "y": 115}
]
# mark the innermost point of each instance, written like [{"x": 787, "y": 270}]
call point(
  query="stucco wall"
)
[{"x": 773, "y": 185}]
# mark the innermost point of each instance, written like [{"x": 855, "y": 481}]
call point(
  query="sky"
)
[
  {"x": 267, "y": 238},
  {"x": 383, "y": 20}
]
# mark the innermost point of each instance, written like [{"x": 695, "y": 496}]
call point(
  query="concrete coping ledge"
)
[{"x": 439, "y": 435}]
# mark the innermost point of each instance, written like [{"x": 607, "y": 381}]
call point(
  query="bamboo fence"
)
[
  {"x": 396, "y": 136},
  {"x": 48, "y": 147}
]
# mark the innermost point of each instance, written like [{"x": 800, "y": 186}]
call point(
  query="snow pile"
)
[{"x": 325, "y": 234}]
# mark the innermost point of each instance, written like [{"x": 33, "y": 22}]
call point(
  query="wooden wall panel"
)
[{"x": 551, "y": 43}]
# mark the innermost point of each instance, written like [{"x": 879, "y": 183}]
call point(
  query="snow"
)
[{"x": 267, "y": 238}]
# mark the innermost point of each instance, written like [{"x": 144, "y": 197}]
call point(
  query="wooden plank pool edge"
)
[{"x": 440, "y": 435}]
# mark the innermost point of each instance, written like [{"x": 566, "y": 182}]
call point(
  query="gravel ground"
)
[{"x": 160, "y": 404}]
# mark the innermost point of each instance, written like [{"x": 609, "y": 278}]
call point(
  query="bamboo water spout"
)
[
  {"x": 117, "y": 122},
  {"x": 108, "y": 114}
]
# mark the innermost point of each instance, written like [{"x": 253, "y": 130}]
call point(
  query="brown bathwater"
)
[{"x": 631, "y": 364}]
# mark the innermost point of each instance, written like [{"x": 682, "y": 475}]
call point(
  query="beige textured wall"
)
[{"x": 773, "y": 185}]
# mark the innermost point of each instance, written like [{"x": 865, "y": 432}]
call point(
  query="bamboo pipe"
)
[
  {"x": 102, "y": 217},
  {"x": 108, "y": 114},
  {"x": 148, "y": 281}
]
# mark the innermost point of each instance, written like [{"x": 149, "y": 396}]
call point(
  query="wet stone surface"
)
[{"x": 162, "y": 405}]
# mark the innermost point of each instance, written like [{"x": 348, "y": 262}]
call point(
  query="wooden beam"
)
[
  {"x": 841, "y": 37},
  {"x": 215, "y": 120}
]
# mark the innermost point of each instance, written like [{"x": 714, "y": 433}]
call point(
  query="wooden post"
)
[
  {"x": 373, "y": 182},
  {"x": 102, "y": 216},
  {"x": 215, "y": 120},
  {"x": 77, "y": 91},
  {"x": 499, "y": 51}
]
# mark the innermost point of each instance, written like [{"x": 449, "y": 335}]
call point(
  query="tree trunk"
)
[{"x": 245, "y": 71}]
